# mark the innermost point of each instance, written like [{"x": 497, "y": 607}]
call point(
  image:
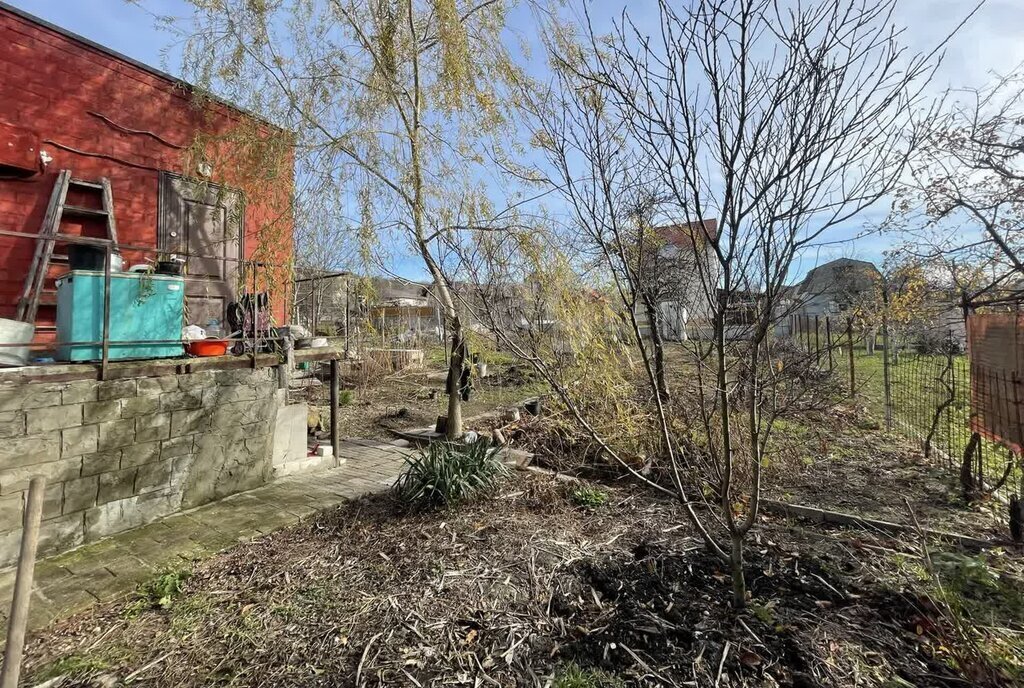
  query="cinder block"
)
[
  {"x": 53, "y": 500},
  {"x": 17, "y": 479},
  {"x": 124, "y": 514},
  {"x": 194, "y": 381},
  {"x": 116, "y": 485},
  {"x": 79, "y": 441},
  {"x": 116, "y": 433},
  {"x": 101, "y": 411},
  {"x": 228, "y": 394},
  {"x": 116, "y": 389},
  {"x": 15, "y": 397},
  {"x": 140, "y": 453},
  {"x": 244, "y": 376},
  {"x": 101, "y": 462},
  {"x": 11, "y": 511},
  {"x": 139, "y": 406},
  {"x": 155, "y": 386},
  {"x": 26, "y": 451},
  {"x": 61, "y": 534},
  {"x": 42, "y": 420},
  {"x": 81, "y": 493},
  {"x": 12, "y": 423},
  {"x": 155, "y": 426},
  {"x": 78, "y": 392},
  {"x": 153, "y": 476},
  {"x": 181, "y": 400},
  {"x": 190, "y": 421},
  {"x": 176, "y": 446}
]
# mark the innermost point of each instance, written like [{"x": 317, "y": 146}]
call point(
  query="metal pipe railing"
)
[{"x": 109, "y": 247}]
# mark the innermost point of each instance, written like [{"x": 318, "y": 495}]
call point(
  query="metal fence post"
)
[
  {"x": 817, "y": 340},
  {"x": 828, "y": 344},
  {"x": 849, "y": 340},
  {"x": 886, "y": 376}
]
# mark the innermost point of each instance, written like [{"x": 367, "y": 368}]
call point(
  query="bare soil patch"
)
[{"x": 414, "y": 398}]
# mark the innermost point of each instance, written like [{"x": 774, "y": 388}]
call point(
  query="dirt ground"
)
[
  {"x": 413, "y": 398},
  {"x": 516, "y": 591},
  {"x": 529, "y": 588},
  {"x": 841, "y": 461}
]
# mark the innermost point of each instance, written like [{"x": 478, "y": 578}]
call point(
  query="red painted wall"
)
[{"x": 49, "y": 83}]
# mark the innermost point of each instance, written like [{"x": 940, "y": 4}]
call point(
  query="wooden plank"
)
[
  {"x": 839, "y": 518},
  {"x": 108, "y": 205},
  {"x": 82, "y": 211},
  {"x": 326, "y": 353}
]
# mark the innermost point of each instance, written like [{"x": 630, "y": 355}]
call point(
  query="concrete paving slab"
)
[{"x": 72, "y": 582}]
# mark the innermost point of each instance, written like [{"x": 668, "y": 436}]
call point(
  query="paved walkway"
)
[{"x": 104, "y": 570}]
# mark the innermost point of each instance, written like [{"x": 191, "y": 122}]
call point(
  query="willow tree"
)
[{"x": 391, "y": 101}]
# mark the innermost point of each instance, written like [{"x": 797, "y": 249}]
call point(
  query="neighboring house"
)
[
  {"x": 836, "y": 287},
  {"x": 675, "y": 278},
  {"x": 342, "y": 302},
  {"x": 67, "y": 103}
]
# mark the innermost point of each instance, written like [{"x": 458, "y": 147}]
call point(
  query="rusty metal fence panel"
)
[{"x": 995, "y": 343}]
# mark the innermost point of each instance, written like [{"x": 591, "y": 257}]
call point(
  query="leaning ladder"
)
[{"x": 49, "y": 234}]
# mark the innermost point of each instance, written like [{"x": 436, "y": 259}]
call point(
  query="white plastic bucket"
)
[{"x": 15, "y": 332}]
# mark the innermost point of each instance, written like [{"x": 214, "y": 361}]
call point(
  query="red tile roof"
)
[{"x": 681, "y": 235}]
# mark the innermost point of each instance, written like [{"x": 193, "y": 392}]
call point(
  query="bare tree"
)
[
  {"x": 778, "y": 124},
  {"x": 386, "y": 100}
]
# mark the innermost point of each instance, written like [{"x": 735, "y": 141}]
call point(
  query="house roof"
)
[
  {"x": 845, "y": 274},
  {"x": 681, "y": 235},
  {"x": 173, "y": 80}
]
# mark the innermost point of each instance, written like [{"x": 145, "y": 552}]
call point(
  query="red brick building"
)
[{"x": 67, "y": 103}]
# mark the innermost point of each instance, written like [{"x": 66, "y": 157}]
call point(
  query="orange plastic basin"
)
[{"x": 208, "y": 347}]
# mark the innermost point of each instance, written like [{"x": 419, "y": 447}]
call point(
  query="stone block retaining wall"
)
[{"x": 121, "y": 453}]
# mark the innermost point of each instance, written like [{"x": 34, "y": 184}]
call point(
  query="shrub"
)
[
  {"x": 449, "y": 473},
  {"x": 345, "y": 397},
  {"x": 589, "y": 497}
]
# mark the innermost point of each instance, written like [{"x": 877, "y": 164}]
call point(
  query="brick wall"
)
[
  {"x": 66, "y": 91},
  {"x": 122, "y": 453}
]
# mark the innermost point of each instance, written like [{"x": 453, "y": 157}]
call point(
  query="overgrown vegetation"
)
[
  {"x": 970, "y": 610},
  {"x": 589, "y": 497},
  {"x": 159, "y": 592},
  {"x": 446, "y": 474}
]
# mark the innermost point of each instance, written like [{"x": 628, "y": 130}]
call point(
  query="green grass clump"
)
[
  {"x": 345, "y": 397},
  {"x": 573, "y": 676},
  {"x": 158, "y": 592},
  {"x": 76, "y": 666},
  {"x": 589, "y": 497},
  {"x": 449, "y": 473}
]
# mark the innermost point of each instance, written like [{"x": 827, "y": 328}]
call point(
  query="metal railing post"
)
[{"x": 106, "y": 312}]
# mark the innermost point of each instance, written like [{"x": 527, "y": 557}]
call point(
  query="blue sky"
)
[{"x": 990, "y": 43}]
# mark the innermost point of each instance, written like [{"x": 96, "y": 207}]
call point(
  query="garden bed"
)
[{"x": 524, "y": 589}]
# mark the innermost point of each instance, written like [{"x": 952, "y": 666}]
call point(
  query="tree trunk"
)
[
  {"x": 455, "y": 364},
  {"x": 967, "y": 482},
  {"x": 654, "y": 323},
  {"x": 739, "y": 582}
]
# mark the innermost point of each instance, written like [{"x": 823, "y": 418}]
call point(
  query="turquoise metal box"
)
[{"x": 146, "y": 315}]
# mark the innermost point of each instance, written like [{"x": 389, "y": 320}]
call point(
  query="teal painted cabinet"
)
[{"x": 143, "y": 308}]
